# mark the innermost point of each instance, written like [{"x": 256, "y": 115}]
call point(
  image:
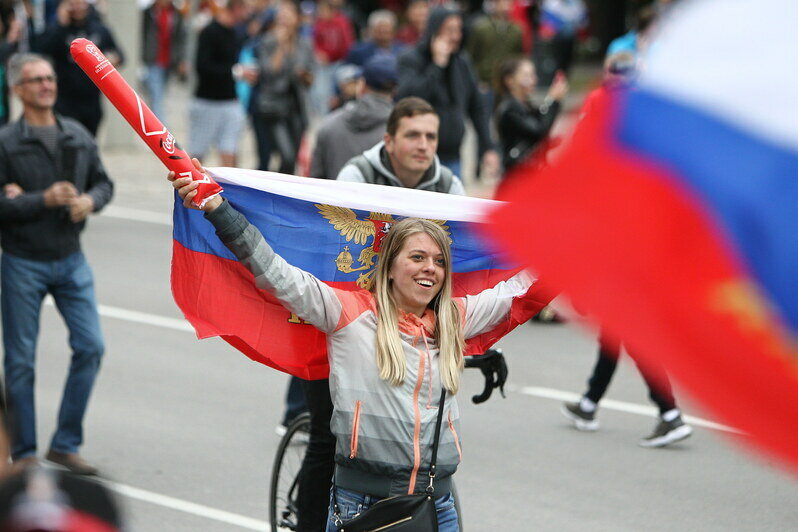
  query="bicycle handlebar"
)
[{"x": 494, "y": 369}]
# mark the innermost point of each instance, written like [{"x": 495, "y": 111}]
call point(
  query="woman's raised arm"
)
[{"x": 297, "y": 290}]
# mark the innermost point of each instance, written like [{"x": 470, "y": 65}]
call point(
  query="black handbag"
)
[{"x": 403, "y": 513}]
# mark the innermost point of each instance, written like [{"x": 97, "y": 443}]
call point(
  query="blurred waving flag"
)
[
  {"x": 332, "y": 230},
  {"x": 672, "y": 217}
]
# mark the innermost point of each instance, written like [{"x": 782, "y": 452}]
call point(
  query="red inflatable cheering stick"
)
[{"x": 138, "y": 115}]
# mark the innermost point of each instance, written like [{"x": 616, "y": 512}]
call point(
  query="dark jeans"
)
[
  {"x": 281, "y": 135},
  {"x": 319, "y": 464},
  {"x": 659, "y": 387},
  {"x": 294, "y": 401},
  {"x": 24, "y": 285}
]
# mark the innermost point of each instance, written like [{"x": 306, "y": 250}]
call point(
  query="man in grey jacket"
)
[
  {"x": 406, "y": 155},
  {"x": 52, "y": 180},
  {"x": 359, "y": 124}
]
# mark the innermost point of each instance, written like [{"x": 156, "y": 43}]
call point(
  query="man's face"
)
[
  {"x": 37, "y": 87},
  {"x": 78, "y": 9},
  {"x": 502, "y": 7},
  {"x": 417, "y": 14},
  {"x": 382, "y": 34},
  {"x": 452, "y": 30},
  {"x": 412, "y": 149}
]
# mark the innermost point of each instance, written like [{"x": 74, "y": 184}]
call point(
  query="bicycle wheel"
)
[{"x": 285, "y": 475}]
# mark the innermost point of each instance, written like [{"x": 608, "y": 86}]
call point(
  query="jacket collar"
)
[
  {"x": 427, "y": 181},
  {"x": 411, "y": 324},
  {"x": 25, "y": 133}
]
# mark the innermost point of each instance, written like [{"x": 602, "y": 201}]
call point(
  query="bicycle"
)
[
  {"x": 287, "y": 464},
  {"x": 284, "y": 485}
]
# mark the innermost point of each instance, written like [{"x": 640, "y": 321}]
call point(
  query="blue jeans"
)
[
  {"x": 352, "y": 502},
  {"x": 155, "y": 81},
  {"x": 24, "y": 285}
]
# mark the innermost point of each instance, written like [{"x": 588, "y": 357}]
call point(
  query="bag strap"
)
[
  {"x": 432, "y": 467},
  {"x": 438, "y": 423}
]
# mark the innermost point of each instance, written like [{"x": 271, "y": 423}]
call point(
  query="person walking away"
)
[
  {"x": 619, "y": 68},
  {"x": 670, "y": 427},
  {"x": 52, "y": 180}
]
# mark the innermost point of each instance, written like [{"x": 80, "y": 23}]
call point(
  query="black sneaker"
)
[
  {"x": 667, "y": 432},
  {"x": 583, "y": 420}
]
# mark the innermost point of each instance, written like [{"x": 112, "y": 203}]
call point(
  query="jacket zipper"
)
[
  {"x": 417, "y": 427},
  {"x": 355, "y": 430},
  {"x": 454, "y": 433}
]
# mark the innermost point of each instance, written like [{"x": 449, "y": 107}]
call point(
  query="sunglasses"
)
[{"x": 39, "y": 79}]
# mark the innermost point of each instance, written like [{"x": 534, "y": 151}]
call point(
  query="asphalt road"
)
[{"x": 184, "y": 429}]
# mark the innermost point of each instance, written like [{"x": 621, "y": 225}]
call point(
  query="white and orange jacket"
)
[{"x": 384, "y": 433}]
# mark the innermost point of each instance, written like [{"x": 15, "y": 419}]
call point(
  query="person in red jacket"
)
[{"x": 333, "y": 36}]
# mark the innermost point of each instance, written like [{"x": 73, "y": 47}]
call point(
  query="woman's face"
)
[
  {"x": 523, "y": 80},
  {"x": 287, "y": 16},
  {"x": 417, "y": 272}
]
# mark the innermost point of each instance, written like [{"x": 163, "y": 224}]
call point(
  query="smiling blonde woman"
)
[{"x": 392, "y": 348}]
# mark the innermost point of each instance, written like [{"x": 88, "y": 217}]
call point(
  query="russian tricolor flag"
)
[
  {"x": 672, "y": 217},
  {"x": 332, "y": 230}
]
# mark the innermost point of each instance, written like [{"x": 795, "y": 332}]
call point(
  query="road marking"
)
[
  {"x": 137, "y": 215},
  {"x": 134, "y": 316},
  {"x": 185, "y": 506},
  {"x": 145, "y": 318},
  {"x": 533, "y": 391},
  {"x": 611, "y": 404}
]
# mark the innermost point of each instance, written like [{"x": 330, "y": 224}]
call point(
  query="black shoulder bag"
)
[{"x": 402, "y": 513}]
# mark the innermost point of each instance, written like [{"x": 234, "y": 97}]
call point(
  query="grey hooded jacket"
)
[
  {"x": 384, "y": 433},
  {"x": 379, "y": 173},
  {"x": 348, "y": 131}
]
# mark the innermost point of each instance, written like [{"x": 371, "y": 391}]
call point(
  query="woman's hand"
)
[
  {"x": 559, "y": 87},
  {"x": 187, "y": 189}
]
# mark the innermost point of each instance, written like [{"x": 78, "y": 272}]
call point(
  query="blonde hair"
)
[{"x": 391, "y": 360}]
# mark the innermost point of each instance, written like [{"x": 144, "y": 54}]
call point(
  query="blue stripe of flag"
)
[
  {"x": 302, "y": 236},
  {"x": 749, "y": 185}
]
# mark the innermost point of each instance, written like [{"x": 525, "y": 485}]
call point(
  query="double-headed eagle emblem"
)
[{"x": 358, "y": 232}]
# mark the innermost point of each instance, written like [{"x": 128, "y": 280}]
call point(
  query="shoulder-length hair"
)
[{"x": 448, "y": 335}]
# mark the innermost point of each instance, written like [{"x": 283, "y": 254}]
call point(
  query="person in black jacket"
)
[
  {"x": 522, "y": 124},
  {"x": 437, "y": 71},
  {"x": 78, "y": 96},
  {"x": 215, "y": 115},
  {"x": 52, "y": 179}
]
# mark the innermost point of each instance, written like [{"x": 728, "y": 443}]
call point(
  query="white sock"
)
[
  {"x": 671, "y": 414},
  {"x": 587, "y": 405}
]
